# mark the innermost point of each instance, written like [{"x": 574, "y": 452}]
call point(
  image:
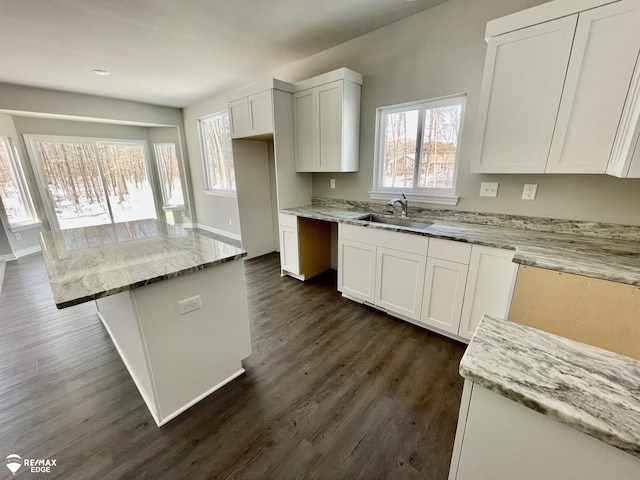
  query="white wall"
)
[
  {"x": 220, "y": 213},
  {"x": 29, "y": 236},
  {"x": 33, "y": 110},
  {"x": 440, "y": 52}
]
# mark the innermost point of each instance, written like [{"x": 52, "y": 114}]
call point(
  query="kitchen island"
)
[
  {"x": 540, "y": 406},
  {"x": 173, "y": 302}
]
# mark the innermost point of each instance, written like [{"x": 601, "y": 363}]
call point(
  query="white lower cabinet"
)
[
  {"x": 490, "y": 282},
  {"x": 289, "y": 258},
  {"x": 356, "y": 269},
  {"x": 443, "y": 294},
  {"x": 400, "y": 281},
  {"x": 443, "y": 284}
]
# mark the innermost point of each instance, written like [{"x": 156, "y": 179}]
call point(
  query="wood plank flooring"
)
[{"x": 332, "y": 390}]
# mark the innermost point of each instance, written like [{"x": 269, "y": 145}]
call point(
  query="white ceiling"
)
[{"x": 175, "y": 52}]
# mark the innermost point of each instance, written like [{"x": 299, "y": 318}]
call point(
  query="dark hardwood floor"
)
[{"x": 332, "y": 390}]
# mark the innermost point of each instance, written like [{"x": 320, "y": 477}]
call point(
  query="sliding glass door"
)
[{"x": 89, "y": 182}]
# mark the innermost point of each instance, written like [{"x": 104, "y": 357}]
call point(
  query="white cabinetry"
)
[
  {"x": 521, "y": 89},
  {"x": 490, "y": 282},
  {"x": 357, "y": 269},
  {"x": 305, "y": 246},
  {"x": 553, "y": 93},
  {"x": 289, "y": 258},
  {"x": 383, "y": 268},
  {"x": 499, "y": 439},
  {"x": 251, "y": 116},
  {"x": 448, "y": 290},
  {"x": 326, "y": 113},
  {"x": 400, "y": 281},
  {"x": 444, "y": 285}
]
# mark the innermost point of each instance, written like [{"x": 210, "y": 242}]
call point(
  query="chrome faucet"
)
[{"x": 404, "y": 203}]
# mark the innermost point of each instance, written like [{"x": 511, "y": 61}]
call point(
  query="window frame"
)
[
  {"x": 163, "y": 191},
  {"x": 444, "y": 196},
  {"x": 15, "y": 168},
  {"x": 208, "y": 185},
  {"x": 31, "y": 140}
]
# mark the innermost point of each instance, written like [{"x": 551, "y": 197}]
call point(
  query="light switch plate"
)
[
  {"x": 489, "y": 189},
  {"x": 529, "y": 191}
]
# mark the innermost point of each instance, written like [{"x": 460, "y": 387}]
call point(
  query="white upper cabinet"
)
[
  {"x": 604, "y": 54},
  {"x": 554, "y": 93},
  {"x": 521, "y": 89},
  {"x": 251, "y": 113},
  {"x": 625, "y": 156},
  {"x": 326, "y": 122}
]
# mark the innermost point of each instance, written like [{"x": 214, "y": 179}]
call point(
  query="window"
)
[
  {"x": 215, "y": 137},
  {"x": 169, "y": 172},
  {"x": 417, "y": 148},
  {"x": 89, "y": 181},
  {"x": 13, "y": 187}
]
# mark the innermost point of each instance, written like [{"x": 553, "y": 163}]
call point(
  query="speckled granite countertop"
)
[
  {"x": 92, "y": 262},
  {"x": 592, "y": 390},
  {"x": 605, "y": 251}
]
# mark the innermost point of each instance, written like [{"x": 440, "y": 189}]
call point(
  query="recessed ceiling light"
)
[{"x": 104, "y": 73}]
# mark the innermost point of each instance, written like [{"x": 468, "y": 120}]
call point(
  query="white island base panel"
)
[
  {"x": 499, "y": 439},
  {"x": 177, "y": 360}
]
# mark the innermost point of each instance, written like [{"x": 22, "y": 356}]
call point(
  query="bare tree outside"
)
[
  {"x": 436, "y": 144},
  {"x": 74, "y": 174},
  {"x": 216, "y": 136},
  {"x": 169, "y": 174},
  {"x": 12, "y": 197},
  {"x": 439, "y": 148}
]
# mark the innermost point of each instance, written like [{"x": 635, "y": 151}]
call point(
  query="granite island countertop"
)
[
  {"x": 613, "y": 254},
  {"x": 87, "y": 263},
  {"x": 592, "y": 390}
]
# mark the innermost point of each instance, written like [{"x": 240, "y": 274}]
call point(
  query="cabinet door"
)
[
  {"x": 356, "y": 269},
  {"x": 604, "y": 53},
  {"x": 239, "y": 120},
  {"x": 304, "y": 130},
  {"x": 523, "y": 78},
  {"x": 443, "y": 294},
  {"x": 489, "y": 287},
  {"x": 261, "y": 113},
  {"x": 330, "y": 104},
  {"x": 289, "y": 259},
  {"x": 400, "y": 281}
]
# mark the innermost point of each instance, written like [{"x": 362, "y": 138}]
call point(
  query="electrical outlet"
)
[
  {"x": 529, "y": 191},
  {"x": 332, "y": 183},
  {"x": 189, "y": 305},
  {"x": 489, "y": 189},
  {"x": 230, "y": 221},
  {"x": 18, "y": 236}
]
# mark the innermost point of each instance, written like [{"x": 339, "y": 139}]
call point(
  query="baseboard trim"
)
[
  {"x": 150, "y": 404},
  {"x": 27, "y": 251},
  {"x": 173, "y": 415},
  {"x": 218, "y": 231},
  {"x": 7, "y": 258}
]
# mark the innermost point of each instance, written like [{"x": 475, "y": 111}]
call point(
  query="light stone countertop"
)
[
  {"x": 84, "y": 264},
  {"x": 592, "y": 390},
  {"x": 604, "y": 251}
]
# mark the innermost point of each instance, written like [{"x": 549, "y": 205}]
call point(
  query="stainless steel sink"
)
[{"x": 397, "y": 222}]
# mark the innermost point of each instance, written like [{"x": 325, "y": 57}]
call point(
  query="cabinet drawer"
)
[
  {"x": 405, "y": 242},
  {"x": 287, "y": 220},
  {"x": 449, "y": 250}
]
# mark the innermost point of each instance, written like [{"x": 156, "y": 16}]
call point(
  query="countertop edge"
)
[
  {"x": 142, "y": 283},
  {"x": 571, "y": 415}
]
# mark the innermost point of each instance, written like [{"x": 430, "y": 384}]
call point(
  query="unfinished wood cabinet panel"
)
[
  {"x": 593, "y": 311},
  {"x": 314, "y": 246}
]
